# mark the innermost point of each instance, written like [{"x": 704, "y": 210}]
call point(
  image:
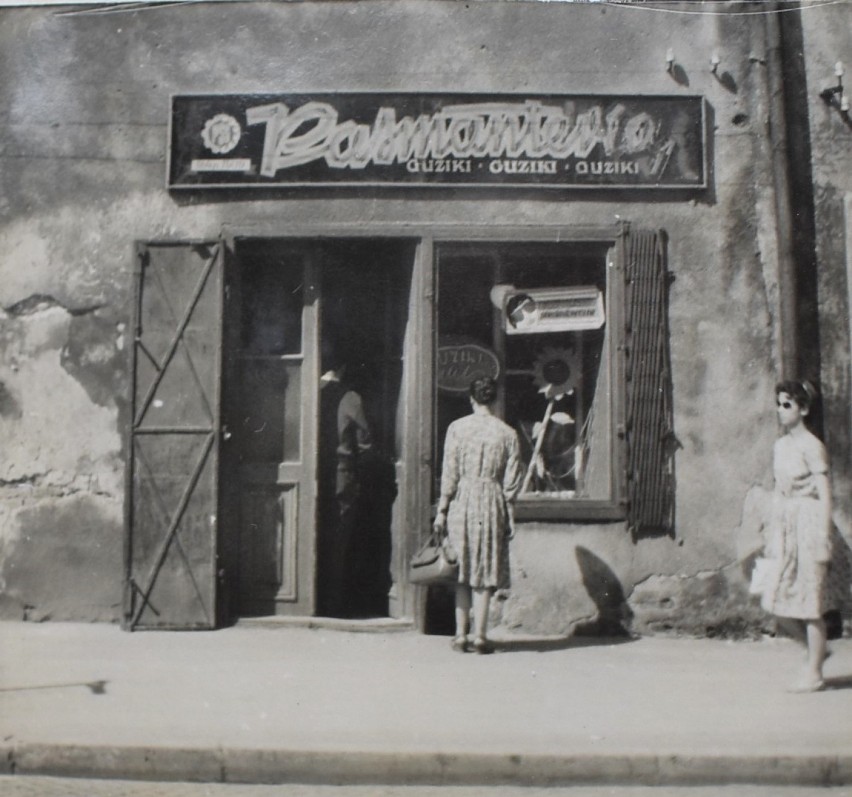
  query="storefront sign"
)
[
  {"x": 553, "y": 310},
  {"x": 582, "y": 141},
  {"x": 459, "y": 364}
]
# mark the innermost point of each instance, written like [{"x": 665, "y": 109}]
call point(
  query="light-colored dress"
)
[
  {"x": 799, "y": 542},
  {"x": 481, "y": 474}
]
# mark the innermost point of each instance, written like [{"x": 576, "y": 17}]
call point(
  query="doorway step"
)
[{"x": 369, "y": 625}]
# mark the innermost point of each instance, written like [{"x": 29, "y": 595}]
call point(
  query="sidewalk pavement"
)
[{"x": 261, "y": 704}]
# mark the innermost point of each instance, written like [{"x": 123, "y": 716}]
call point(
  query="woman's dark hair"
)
[
  {"x": 803, "y": 393},
  {"x": 483, "y": 390}
]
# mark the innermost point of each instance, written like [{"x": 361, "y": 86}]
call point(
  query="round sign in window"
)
[{"x": 459, "y": 364}]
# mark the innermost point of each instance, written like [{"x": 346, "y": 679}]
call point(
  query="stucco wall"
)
[
  {"x": 83, "y": 146},
  {"x": 827, "y": 38}
]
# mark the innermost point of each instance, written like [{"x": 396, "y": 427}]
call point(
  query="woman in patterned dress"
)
[
  {"x": 481, "y": 476},
  {"x": 799, "y": 540}
]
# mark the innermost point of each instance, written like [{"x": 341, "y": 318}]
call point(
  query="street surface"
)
[
  {"x": 324, "y": 707},
  {"x": 31, "y": 786}
]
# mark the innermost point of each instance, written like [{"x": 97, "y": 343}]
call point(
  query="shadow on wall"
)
[{"x": 614, "y": 615}]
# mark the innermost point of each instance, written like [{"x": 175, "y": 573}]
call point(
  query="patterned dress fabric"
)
[
  {"x": 798, "y": 542},
  {"x": 481, "y": 473}
]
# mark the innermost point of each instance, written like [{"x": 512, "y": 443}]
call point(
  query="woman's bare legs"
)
[
  {"x": 480, "y": 600},
  {"x": 481, "y": 605},
  {"x": 795, "y": 629},
  {"x": 816, "y": 649},
  {"x": 815, "y": 640},
  {"x": 463, "y": 602}
]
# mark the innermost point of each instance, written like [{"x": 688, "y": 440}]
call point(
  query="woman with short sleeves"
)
[
  {"x": 480, "y": 478},
  {"x": 799, "y": 540}
]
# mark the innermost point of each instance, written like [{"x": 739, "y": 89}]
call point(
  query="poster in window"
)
[{"x": 540, "y": 310}]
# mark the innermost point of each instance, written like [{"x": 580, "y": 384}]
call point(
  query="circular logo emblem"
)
[{"x": 221, "y": 133}]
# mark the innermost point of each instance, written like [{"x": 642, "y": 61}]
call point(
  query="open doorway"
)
[
  {"x": 302, "y": 308},
  {"x": 365, "y": 287}
]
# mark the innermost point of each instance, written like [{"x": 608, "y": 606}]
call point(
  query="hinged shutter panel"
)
[
  {"x": 173, "y": 446},
  {"x": 649, "y": 427}
]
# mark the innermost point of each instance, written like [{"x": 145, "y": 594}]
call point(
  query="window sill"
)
[{"x": 574, "y": 511}]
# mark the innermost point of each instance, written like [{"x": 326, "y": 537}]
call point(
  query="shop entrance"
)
[{"x": 314, "y": 377}]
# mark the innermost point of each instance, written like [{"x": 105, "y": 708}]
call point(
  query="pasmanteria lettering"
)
[{"x": 506, "y": 132}]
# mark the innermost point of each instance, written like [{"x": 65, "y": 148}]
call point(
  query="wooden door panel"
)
[
  {"x": 173, "y": 466},
  {"x": 269, "y": 539},
  {"x": 275, "y": 426}
]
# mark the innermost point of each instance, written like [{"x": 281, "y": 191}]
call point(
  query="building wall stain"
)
[
  {"x": 60, "y": 475},
  {"x": 9, "y": 406},
  {"x": 48, "y": 539},
  {"x": 709, "y": 603},
  {"x": 94, "y": 356}
]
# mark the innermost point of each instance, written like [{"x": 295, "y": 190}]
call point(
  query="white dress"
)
[{"x": 798, "y": 543}]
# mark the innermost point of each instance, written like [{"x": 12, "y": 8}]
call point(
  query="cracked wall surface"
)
[
  {"x": 83, "y": 150},
  {"x": 61, "y": 471}
]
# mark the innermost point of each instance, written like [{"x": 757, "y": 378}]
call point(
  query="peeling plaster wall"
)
[
  {"x": 61, "y": 470},
  {"x": 83, "y": 147}
]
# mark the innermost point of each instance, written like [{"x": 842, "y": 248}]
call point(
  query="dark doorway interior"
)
[{"x": 365, "y": 287}]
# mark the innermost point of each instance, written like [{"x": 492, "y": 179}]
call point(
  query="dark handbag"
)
[{"x": 434, "y": 563}]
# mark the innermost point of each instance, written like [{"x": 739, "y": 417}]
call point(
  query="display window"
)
[{"x": 575, "y": 333}]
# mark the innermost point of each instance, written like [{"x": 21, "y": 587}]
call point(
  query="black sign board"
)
[{"x": 569, "y": 141}]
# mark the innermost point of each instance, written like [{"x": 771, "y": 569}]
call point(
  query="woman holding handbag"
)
[{"x": 481, "y": 476}]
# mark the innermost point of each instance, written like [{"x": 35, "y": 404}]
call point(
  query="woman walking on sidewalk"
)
[
  {"x": 481, "y": 475},
  {"x": 800, "y": 582}
]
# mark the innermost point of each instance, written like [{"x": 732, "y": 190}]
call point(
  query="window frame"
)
[{"x": 582, "y": 509}]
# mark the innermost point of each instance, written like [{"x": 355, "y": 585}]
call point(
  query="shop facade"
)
[{"x": 221, "y": 202}]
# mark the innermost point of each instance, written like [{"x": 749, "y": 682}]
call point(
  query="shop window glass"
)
[
  {"x": 271, "y": 357},
  {"x": 539, "y": 313},
  {"x": 272, "y": 306},
  {"x": 270, "y": 411}
]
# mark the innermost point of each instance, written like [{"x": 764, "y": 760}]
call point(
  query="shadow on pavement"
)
[
  {"x": 841, "y": 682},
  {"x": 545, "y": 644},
  {"x": 95, "y": 687}
]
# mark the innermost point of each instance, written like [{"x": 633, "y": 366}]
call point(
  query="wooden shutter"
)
[
  {"x": 170, "y": 551},
  {"x": 649, "y": 424}
]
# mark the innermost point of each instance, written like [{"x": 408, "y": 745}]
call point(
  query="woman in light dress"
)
[
  {"x": 481, "y": 476},
  {"x": 800, "y": 587}
]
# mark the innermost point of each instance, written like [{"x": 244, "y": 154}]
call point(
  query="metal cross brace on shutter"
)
[
  {"x": 178, "y": 336},
  {"x": 143, "y": 593}
]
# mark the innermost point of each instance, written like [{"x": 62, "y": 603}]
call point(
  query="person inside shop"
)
[
  {"x": 346, "y": 444},
  {"x": 803, "y": 575},
  {"x": 480, "y": 478}
]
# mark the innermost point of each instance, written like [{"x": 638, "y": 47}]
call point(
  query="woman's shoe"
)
[
  {"x": 460, "y": 645},
  {"x": 807, "y": 686},
  {"x": 482, "y": 645}
]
